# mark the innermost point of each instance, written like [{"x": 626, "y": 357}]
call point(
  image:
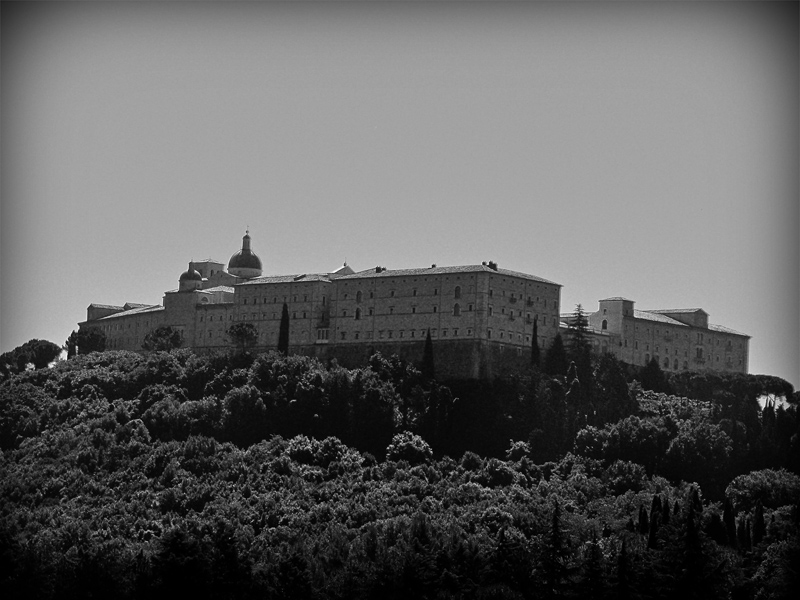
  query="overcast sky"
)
[{"x": 645, "y": 150}]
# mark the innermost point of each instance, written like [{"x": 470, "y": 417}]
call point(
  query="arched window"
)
[
  {"x": 666, "y": 363},
  {"x": 457, "y": 293},
  {"x": 646, "y": 358},
  {"x": 456, "y": 309},
  {"x": 604, "y": 325},
  {"x": 675, "y": 364},
  {"x": 358, "y": 313},
  {"x": 358, "y": 296}
]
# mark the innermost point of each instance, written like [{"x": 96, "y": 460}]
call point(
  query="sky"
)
[{"x": 647, "y": 150}]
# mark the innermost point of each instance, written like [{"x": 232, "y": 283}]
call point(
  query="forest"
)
[{"x": 235, "y": 475}]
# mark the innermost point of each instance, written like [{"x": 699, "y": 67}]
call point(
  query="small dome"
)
[
  {"x": 191, "y": 275},
  {"x": 245, "y": 263}
]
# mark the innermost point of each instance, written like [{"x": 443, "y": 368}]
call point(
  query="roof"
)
[
  {"x": 219, "y": 288},
  {"x": 647, "y": 315},
  {"x": 678, "y": 310},
  {"x": 722, "y": 329},
  {"x": 287, "y": 278},
  {"x": 133, "y": 311},
  {"x": 208, "y": 260},
  {"x": 370, "y": 273},
  {"x": 615, "y": 298},
  {"x": 109, "y": 306}
]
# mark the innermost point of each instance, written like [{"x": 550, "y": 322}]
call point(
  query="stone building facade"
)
[
  {"x": 679, "y": 339},
  {"x": 480, "y": 317}
]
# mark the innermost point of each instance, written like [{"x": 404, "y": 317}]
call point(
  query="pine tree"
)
[{"x": 283, "y": 332}]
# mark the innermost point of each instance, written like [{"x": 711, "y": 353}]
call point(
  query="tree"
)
[
  {"x": 427, "y": 367},
  {"x": 579, "y": 348},
  {"x": 283, "y": 332},
  {"x": 71, "y": 345},
  {"x": 243, "y": 335},
  {"x": 91, "y": 340},
  {"x": 555, "y": 363},
  {"x": 653, "y": 378},
  {"x": 40, "y": 353},
  {"x": 164, "y": 338},
  {"x": 535, "y": 353}
]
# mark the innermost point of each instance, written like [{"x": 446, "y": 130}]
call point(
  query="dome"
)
[
  {"x": 190, "y": 275},
  {"x": 245, "y": 263}
]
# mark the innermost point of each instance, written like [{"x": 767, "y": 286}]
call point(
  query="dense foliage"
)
[{"x": 233, "y": 476}]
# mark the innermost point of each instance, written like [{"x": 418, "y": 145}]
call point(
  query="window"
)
[
  {"x": 414, "y": 292},
  {"x": 666, "y": 363},
  {"x": 413, "y": 310},
  {"x": 344, "y": 335},
  {"x": 358, "y": 313},
  {"x": 456, "y": 310},
  {"x": 294, "y": 315},
  {"x": 675, "y": 364},
  {"x": 323, "y": 301},
  {"x": 491, "y": 310},
  {"x": 358, "y": 296},
  {"x": 489, "y": 333},
  {"x": 444, "y": 332},
  {"x": 391, "y": 310},
  {"x": 245, "y": 300},
  {"x": 604, "y": 324},
  {"x": 435, "y": 291},
  {"x": 455, "y": 332},
  {"x": 434, "y": 309},
  {"x": 344, "y": 313},
  {"x": 491, "y": 292},
  {"x": 457, "y": 293},
  {"x": 355, "y": 335},
  {"x": 647, "y": 358},
  {"x": 469, "y": 307},
  {"x": 372, "y": 294},
  {"x": 391, "y": 294}
]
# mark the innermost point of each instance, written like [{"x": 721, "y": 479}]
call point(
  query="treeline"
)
[{"x": 236, "y": 476}]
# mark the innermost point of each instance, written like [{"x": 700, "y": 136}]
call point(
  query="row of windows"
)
[
  {"x": 401, "y": 334},
  {"x": 275, "y": 299}
]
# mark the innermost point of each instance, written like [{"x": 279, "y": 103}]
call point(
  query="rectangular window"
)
[
  {"x": 444, "y": 332},
  {"x": 413, "y": 310},
  {"x": 434, "y": 309},
  {"x": 455, "y": 332},
  {"x": 355, "y": 335},
  {"x": 390, "y": 333}
]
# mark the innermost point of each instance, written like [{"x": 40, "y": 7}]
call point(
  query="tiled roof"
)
[
  {"x": 722, "y": 329},
  {"x": 286, "y": 278},
  {"x": 370, "y": 273},
  {"x": 219, "y": 288},
  {"x": 129, "y": 305},
  {"x": 133, "y": 311},
  {"x": 109, "y": 306},
  {"x": 616, "y": 298},
  {"x": 678, "y": 310},
  {"x": 652, "y": 316}
]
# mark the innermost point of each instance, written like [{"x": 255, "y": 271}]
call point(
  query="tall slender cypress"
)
[
  {"x": 427, "y": 367},
  {"x": 536, "y": 355},
  {"x": 283, "y": 333}
]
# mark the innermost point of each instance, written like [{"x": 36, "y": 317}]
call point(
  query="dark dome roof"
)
[
  {"x": 244, "y": 259},
  {"x": 191, "y": 274}
]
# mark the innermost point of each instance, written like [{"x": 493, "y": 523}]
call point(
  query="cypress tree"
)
[
  {"x": 644, "y": 525},
  {"x": 427, "y": 368},
  {"x": 759, "y": 526},
  {"x": 555, "y": 362},
  {"x": 655, "y": 513},
  {"x": 535, "y": 353},
  {"x": 729, "y": 520},
  {"x": 623, "y": 587},
  {"x": 283, "y": 333}
]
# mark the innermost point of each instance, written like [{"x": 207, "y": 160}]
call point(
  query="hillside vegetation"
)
[{"x": 230, "y": 476}]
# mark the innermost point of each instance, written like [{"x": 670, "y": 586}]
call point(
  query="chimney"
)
[{"x": 433, "y": 266}]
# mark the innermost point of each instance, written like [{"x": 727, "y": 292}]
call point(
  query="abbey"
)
[{"x": 480, "y": 317}]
